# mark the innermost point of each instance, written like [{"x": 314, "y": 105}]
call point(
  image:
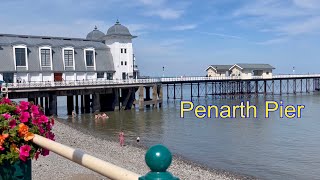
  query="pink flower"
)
[
  {"x": 24, "y": 105},
  {"x": 13, "y": 123},
  {"x": 35, "y": 109},
  {"x": 6, "y": 101},
  {"x": 18, "y": 110},
  {"x": 50, "y": 135},
  {"x": 36, "y": 156},
  {"x": 41, "y": 130},
  {"x": 43, "y": 119},
  {"x": 45, "y": 152},
  {"x": 35, "y": 121},
  {"x": 24, "y": 117},
  {"x": 24, "y": 152},
  {"x": 6, "y": 116}
]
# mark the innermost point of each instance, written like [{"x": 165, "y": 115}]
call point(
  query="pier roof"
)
[
  {"x": 253, "y": 66},
  {"x": 220, "y": 67},
  {"x": 103, "y": 58},
  {"x": 30, "y": 40}
]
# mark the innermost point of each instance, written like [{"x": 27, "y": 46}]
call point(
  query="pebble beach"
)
[{"x": 54, "y": 167}]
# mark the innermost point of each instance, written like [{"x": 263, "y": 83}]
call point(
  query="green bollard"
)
[{"x": 158, "y": 159}]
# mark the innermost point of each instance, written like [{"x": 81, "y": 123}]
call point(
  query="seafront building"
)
[
  {"x": 26, "y": 58},
  {"x": 241, "y": 70}
]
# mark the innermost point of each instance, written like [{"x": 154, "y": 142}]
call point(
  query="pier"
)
[{"x": 109, "y": 95}]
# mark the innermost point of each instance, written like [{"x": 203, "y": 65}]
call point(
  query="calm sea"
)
[{"x": 274, "y": 148}]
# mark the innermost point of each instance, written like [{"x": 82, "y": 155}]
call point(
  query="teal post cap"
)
[{"x": 158, "y": 159}]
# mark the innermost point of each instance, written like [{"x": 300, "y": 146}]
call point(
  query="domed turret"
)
[
  {"x": 118, "y": 30},
  {"x": 95, "y": 34}
]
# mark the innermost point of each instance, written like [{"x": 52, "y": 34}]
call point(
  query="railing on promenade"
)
[{"x": 158, "y": 158}]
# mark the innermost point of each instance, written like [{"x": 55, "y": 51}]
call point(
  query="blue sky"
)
[{"x": 185, "y": 36}]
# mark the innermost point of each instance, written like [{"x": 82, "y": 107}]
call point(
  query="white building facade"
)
[
  {"x": 241, "y": 70},
  {"x": 26, "y": 58}
]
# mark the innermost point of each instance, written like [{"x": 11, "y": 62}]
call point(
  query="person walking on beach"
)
[{"x": 121, "y": 138}]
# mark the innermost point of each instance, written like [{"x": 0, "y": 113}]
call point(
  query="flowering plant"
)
[{"x": 18, "y": 124}]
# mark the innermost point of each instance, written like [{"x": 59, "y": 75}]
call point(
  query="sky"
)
[{"x": 185, "y": 37}]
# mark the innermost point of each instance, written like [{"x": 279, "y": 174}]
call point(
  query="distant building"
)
[
  {"x": 218, "y": 70},
  {"x": 242, "y": 70},
  {"x": 26, "y": 58}
]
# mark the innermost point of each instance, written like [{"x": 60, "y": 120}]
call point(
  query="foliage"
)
[{"x": 18, "y": 124}]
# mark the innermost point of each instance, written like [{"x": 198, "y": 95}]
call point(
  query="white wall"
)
[
  {"x": 1, "y": 77},
  {"x": 34, "y": 77},
  {"x": 115, "y": 46},
  {"x": 23, "y": 77},
  {"x": 81, "y": 76},
  {"x": 47, "y": 77},
  {"x": 91, "y": 75},
  {"x": 246, "y": 74},
  {"x": 69, "y": 76},
  {"x": 267, "y": 74}
]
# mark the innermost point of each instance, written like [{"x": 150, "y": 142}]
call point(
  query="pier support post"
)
[
  {"x": 116, "y": 99},
  {"x": 141, "y": 97},
  {"x": 198, "y": 90},
  {"x": 181, "y": 90},
  {"x": 70, "y": 104},
  {"x": 148, "y": 98},
  {"x": 301, "y": 83},
  {"x": 167, "y": 91},
  {"x": 41, "y": 102},
  {"x": 288, "y": 86},
  {"x": 82, "y": 104},
  {"x": 87, "y": 103},
  {"x": 265, "y": 87},
  {"x": 257, "y": 87},
  {"x": 96, "y": 102},
  {"x": 160, "y": 95},
  {"x": 272, "y": 87},
  {"x": 174, "y": 91},
  {"x": 294, "y": 86},
  {"x": 280, "y": 87},
  {"x": 206, "y": 89},
  {"x": 46, "y": 106},
  {"x": 77, "y": 104},
  {"x": 154, "y": 95},
  {"x": 53, "y": 110},
  {"x": 307, "y": 84},
  {"x": 191, "y": 89}
]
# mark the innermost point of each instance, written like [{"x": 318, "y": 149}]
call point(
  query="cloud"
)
[
  {"x": 184, "y": 27},
  {"x": 310, "y": 4},
  {"x": 273, "y": 41},
  {"x": 167, "y": 13},
  {"x": 220, "y": 35},
  {"x": 163, "y": 9},
  {"x": 310, "y": 25},
  {"x": 282, "y": 19}
]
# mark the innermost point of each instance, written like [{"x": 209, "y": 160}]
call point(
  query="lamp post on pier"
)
[{"x": 162, "y": 71}]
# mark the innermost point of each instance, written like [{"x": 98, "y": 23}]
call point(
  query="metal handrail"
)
[
  {"x": 158, "y": 158},
  {"x": 97, "y": 165}
]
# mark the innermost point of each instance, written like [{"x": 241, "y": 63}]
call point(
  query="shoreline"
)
[{"x": 130, "y": 157}]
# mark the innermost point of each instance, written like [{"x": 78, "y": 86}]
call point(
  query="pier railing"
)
[
  {"x": 158, "y": 158},
  {"x": 105, "y": 82}
]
